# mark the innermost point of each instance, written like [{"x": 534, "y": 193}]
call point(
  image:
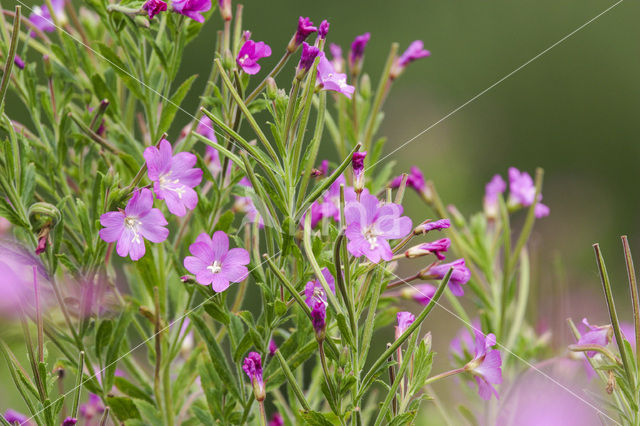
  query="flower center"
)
[
  {"x": 171, "y": 184},
  {"x": 371, "y": 236},
  {"x": 132, "y": 222},
  {"x": 215, "y": 267}
]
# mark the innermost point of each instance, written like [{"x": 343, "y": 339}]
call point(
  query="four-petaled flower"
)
[
  {"x": 370, "y": 224},
  {"x": 213, "y": 263},
  {"x": 153, "y": 7},
  {"x": 522, "y": 192},
  {"x": 253, "y": 367},
  {"x": 41, "y": 18},
  {"x": 173, "y": 177},
  {"x": 191, "y": 8},
  {"x": 329, "y": 79},
  {"x": 405, "y": 319},
  {"x": 250, "y": 53},
  {"x": 595, "y": 335},
  {"x": 138, "y": 222},
  {"x": 486, "y": 365}
]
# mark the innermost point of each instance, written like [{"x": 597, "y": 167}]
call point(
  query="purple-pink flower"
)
[
  {"x": 246, "y": 205},
  {"x": 414, "y": 52},
  {"x": 272, "y": 347},
  {"x": 41, "y": 18},
  {"x": 309, "y": 54},
  {"x": 337, "y": 60},
  {"x": 93, "y": 408},
  {"x": 329, "y": 79},
  {"x": 14, "y": 417},
  {"x": 595, "y": 335},
  {"x": 370, "y": 225},
  {"x": 522, "y": 192},
  {"x": 138, "y": 222},
  {"x": 305, "y": 28},
  {"x": 153, "y": 7},
  {"x": 314, "y": 291},
  {"x": 421, "y": 293},
  {"x": 173, "y": 177},
  {"x": 436, "y": 225},
  {"x": 415, "y": 180},
  {"x": 357, "y": 51},
  {"x": 459, "y": 276},
  {"x": 323, "y": 30},
  {"x": 250, "y": 53},
  {"x": 435, "y": 247},
  {"x": 191, "y": 8},
  {"x": 17, "y": 60},
  {"x": 213, "y": 263},
  {"x": 486, "y": 365},
  {"x": 329, "y": 205},
  {"x": 276, "y": 420},
  {"x": 492, "y": 191},
  {"x": 69, "y": 421},
  {"x": 405, "y": 319},
  {"x": 253, "y": 367}
]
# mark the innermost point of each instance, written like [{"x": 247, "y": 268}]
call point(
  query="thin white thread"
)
[
  {"x": 386, "y": 156},
  {"x": 495, "y": 84},
  {"x": 507, "y": 350}
]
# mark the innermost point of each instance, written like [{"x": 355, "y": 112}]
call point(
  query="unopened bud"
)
[{"x": 272, "y": 88}]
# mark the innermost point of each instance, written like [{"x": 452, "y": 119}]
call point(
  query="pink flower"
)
[
  {"x": 492, "y": 190},
  {"x": 323, "y": 30},
  {"x": 405, "y": 319},
  {"x": 138, "y": 222},
  {"x": 522, "y": 192},
  {"x": 595, "y": 335},
  {"x": 305, "y": 28},
  {"x": 314, "y": 291},
  {"x": 246, "y": 205},
  {"x": 213, "y": 263},
  {"x": 272, "y": 347},
  {"x": 250, "y": 53},
  {"x": 370, "y": 224},
  {"x": 338, "y": 60},
  {"x": 436, "y": 225},
  {"x": 309, "y": 54},
  {"x": 41, "y": 18},
  {"x": 414, "y": 52},
  {"x": 421, "y": 293},
  {"x": 415, "y": 180},
  {"x": 212, "y": 156},
  {"x": 253, "y": 367},
  {"x": 329, "y": 206},
  {"x": 153, "y": 7},
  {"x": 93, "y": 408},
  {"x": 459, "y": 276},
  {"x": 276, "y": 420},
  {"x": 486, "y": 365},
  {"x": 173, "y": 177},
  {"x": 69, "y": 421},
  {"x": 13, "y": 417},
  {"x": 357, "y": 50},
  {"x": 191, "y": 8},
  {"x": 329, "y": 79},
  {"x": 435, "y": 247}
]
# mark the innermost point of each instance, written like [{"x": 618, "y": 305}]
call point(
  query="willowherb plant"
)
[{"x": 251, "y": 279}]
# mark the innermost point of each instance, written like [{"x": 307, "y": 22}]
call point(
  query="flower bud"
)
[
  {"x": 253, "y": 367},
  {"x": 272, "y": 89},
  {"x": 357, "y": 162},
  {"x": 305, "y": 28},
  {"x": 225, "y": 9},
  {"x": 365, "y": 86}
]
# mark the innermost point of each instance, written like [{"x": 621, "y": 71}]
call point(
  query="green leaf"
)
[
  {"x": 121, "y": 69},
  {"x": 123, "y": 408},
  {"x": 128, "y": 388},
  {"x": 113, "y": 352},
  {"x": 149, "y": 413},
  {"x": 171, "y": 107},
  {"x": 103, "y": 336},
  {"x": 315, "y": 418},
  {"x": 216, "y": 313},
  {"x": 217, "y": 356}
]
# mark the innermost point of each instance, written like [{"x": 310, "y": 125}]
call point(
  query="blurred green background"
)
[{"x": 573, "y": 111}]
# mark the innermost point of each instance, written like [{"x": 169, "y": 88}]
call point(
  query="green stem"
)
[
  {"x": 444, "y": 375},
  {"x": 274, "y": 72},
  {"x": 633, "y": 288},
  {"x": 11, "y": 56},
  {"x": 604, "y": 277},
  {"x": 292, "y": 381},
  {"x": 78, "y": 388}
]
